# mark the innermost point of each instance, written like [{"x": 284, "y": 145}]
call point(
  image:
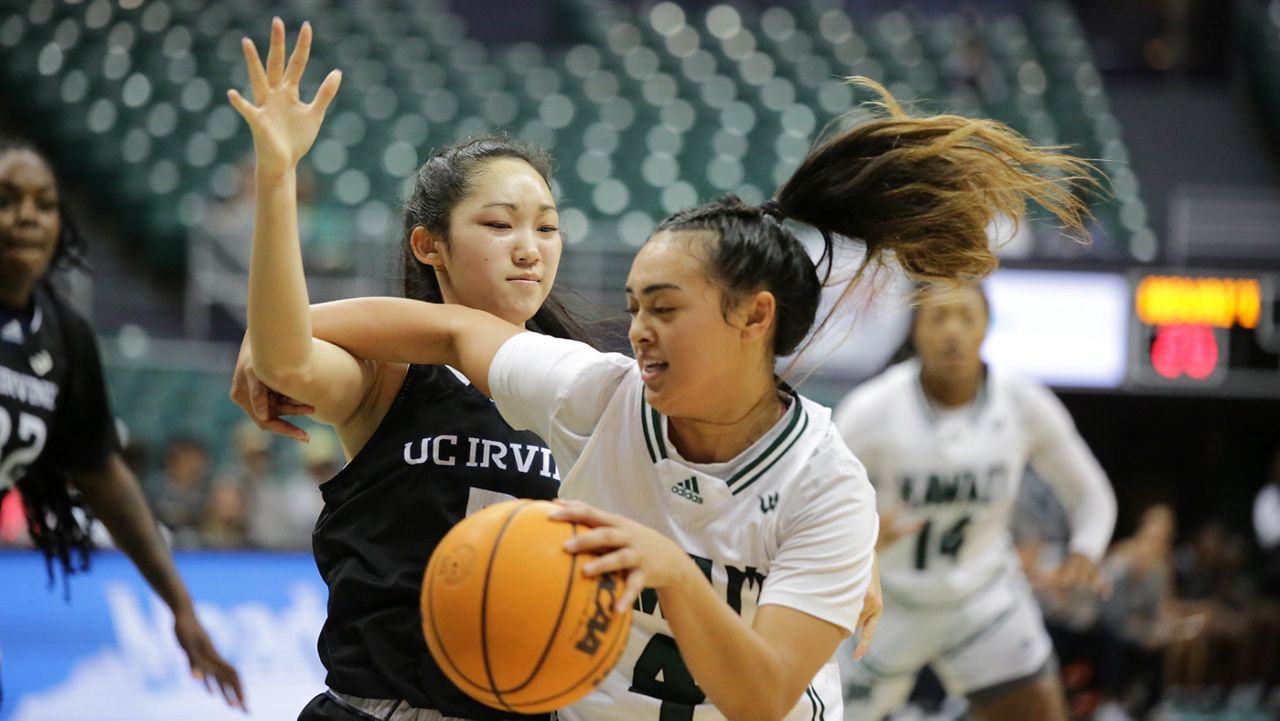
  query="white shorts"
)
[{"x": 994, "y": 638}]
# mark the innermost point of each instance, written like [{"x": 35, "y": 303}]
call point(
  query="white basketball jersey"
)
[
  {"x": 956, "y": 472},
  {"x": 790, "y": 521}
]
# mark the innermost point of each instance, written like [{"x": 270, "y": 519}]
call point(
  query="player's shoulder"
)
[
  {"x": 1023, "y": 391},
  {"x": 1035, "y": 406},
  {"x": 578, "y": 353},
  {"x": 826, "y": 458},
  {"x": 61, "y": 325},
  {"x": 52, "y": 302},
  {"x": 877, "y": 394}
]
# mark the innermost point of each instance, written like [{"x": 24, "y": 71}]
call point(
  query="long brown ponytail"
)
[{"x": 917, "y": 191}]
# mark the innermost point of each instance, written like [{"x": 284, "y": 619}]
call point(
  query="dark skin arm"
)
[{"x": 114, "y": 496}]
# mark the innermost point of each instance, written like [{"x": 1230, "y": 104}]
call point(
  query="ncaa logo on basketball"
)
[{"x": 601, "y": 616}]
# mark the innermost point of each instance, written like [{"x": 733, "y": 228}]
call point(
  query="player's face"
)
[
  {"x": 29, "y": 220},
  {"x": 504, "y": 242},
  {"x": 689, "y": 354},
  {"x": 950, "y": 327}
]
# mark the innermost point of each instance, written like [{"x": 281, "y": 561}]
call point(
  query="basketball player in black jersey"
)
[
  {"x": 56, "y": 428},
  {"x": 426, "y": 448}
]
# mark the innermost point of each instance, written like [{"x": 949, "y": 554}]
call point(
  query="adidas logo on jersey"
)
[
  {"x": 688, "y": 488},
  {"x": 12, "y": 332}
]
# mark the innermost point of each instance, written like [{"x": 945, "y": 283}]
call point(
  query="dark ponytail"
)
[
  {"x": 917, "y": 191},
  {"x": 756, "y": 251},
  {"x": 441, "y": 183}
]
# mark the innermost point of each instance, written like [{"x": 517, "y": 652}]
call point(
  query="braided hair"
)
[{"x": 57, "y": 520}]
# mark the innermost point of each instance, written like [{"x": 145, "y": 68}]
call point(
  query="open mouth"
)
[{"x": 650, "y": 369}]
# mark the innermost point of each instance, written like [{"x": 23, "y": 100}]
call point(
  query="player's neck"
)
[
  {"x": 15, "y": 295},
  {"x": 714, "y": 441},
  {"x": 951, "y": 391}
]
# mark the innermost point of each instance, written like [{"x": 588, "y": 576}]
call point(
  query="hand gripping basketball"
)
[{"x": 512, "y": 618}]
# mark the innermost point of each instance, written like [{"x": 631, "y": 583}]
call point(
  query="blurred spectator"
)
[
  {"x": 1041, "y": 532},
  {"x": 284, "y": 513},
  {"x": 1265, "y": 634},
  {"x": 1266, "y": 526},
  {"x": 183, "y": 490},
  {"x": 1210, "y": 656},
  {"x": 325, "y": 231},
  {"x": 231, "y": 221},
  {"x": 1135, "y": 625},
  {"x": 250, "y": 471},
  {"x": 225, "y": 523}
]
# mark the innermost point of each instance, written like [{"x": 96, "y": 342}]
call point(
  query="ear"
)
[
  {"x": 428, "y": 247},
  {"x": 759, "y": 310}
]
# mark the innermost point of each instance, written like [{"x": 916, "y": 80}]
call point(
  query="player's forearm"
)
[
  {"x": 1093, "y": 513},
  {"x": 393, "y": 330},
  {"x": 742, "y": 675},
  {"x": 278, "y": 310},
  {"x": 116, "y": 499}
]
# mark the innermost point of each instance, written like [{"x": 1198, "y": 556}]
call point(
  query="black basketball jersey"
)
[
  {"x": 441, "y": 449},
  {"x": 53, "y": 403}
]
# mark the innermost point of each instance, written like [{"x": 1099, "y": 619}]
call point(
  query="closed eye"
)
[{"x": 499, "y": 226}]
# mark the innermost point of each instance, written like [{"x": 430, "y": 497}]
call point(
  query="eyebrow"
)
[
  {"x": 15, "y": 188},
  {"x": 513, "y": 206},
  {"x": 651, "y": 289}
]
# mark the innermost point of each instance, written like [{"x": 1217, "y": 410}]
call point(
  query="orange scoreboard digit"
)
[{"x": 1213, "y": 331}]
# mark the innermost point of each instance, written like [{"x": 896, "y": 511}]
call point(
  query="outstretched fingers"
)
[
  {"x": 328, "y": 89},
  {"x": 301, "y": 53},
  {"x": 242, "y": 106},
  {"x": 275, "y": 56},
  {"x": 257, "y": 75}
]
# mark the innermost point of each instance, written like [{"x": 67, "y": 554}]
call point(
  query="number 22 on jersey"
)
[{"x": 30, "y": 434}]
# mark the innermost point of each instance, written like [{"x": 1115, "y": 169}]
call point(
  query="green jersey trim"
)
[{"x": 797, "y": 424}]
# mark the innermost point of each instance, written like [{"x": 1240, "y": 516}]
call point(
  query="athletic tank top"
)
[{"x": 441, "y": 452}]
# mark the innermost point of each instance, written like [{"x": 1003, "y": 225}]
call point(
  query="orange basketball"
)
[{"x": 510, "y": 616}]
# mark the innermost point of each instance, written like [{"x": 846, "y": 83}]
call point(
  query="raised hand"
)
[{"x": 283, "y": 126}]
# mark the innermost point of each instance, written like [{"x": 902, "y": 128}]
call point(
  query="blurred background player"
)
[
  {"x": 945, "y": 440},
  {"x": 56, "y": 429}
]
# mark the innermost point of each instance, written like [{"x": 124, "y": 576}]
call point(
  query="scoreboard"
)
[
  {"x": 1149, "y": 330},
  {"x": 1215, "y": 332}
]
